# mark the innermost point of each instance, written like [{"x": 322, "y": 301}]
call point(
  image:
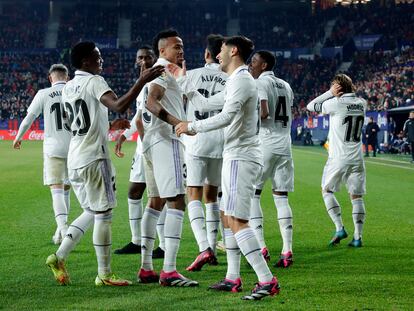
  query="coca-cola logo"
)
[{"x": 36, "y": 135}]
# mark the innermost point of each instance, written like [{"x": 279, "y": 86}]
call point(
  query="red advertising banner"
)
[{"x": 38, "y": 135}]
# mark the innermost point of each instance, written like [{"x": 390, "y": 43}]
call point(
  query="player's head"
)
[
  {"x": 168, "y": 44},
  {"x": 145, "y": 56},
  {"x": 261, "y": 61},
  {"x": 236, "y": 50},
  {"x": 58, "y": 72},
  {"x": 411, "y": 115},
  {"x": 214, "y": 43},
  {"x": 370, "y": 119},
  {"x": 345, "y": 82},
  {"x": 87, "y": 57}
]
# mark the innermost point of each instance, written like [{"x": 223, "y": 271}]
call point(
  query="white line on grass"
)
[{"x": 366, "y": 161}]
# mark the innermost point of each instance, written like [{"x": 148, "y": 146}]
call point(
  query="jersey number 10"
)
[{"x": 353, "y": 128}]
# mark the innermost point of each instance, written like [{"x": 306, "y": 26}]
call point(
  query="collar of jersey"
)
[
  {"x": 266, "y": 73},
  {"x": 238, "y": 70},
  {"x": 58, "y": 82},
  {"x": 212, "y": 65},
  {"x": 348, "y": 95},
  {"x": 82, "y": 73}
]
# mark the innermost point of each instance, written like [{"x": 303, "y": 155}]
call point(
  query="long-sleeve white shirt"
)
[{"x": 239, "y": 118}]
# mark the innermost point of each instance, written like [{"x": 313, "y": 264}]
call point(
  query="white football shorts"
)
[
  {"x": 203, "y": 170},
  {"x": 137, "y": 174},
  {"x": 55, "y": 171},
  {"x": 165, "y": 169},
  {"x": 238, "y": 182},
  {"x": 280, "y": 169},
  {"x": 336, "y": 172},
  {"x": 94, "y": 185}
]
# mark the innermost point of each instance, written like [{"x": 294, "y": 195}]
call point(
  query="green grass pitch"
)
[{"x": 379, "y": 276}]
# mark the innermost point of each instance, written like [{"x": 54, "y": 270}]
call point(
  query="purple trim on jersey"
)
[
  {"x": 177, "y": 163},
  {"x": 105, "y": 169},
  {"x": 234, "y": 167},
  {"x": 244, "y": 69}
]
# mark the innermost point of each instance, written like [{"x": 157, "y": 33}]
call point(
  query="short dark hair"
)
[
  {"x": 59, "y": 68},
  {"x": 214, "y": 42},
  {"x": 269, "y": 58},
  {"x": 345, "y": 82},
  {"x": 80, "y": 51},
  {"x": 167, "y": 33},
  {"x": 244, "y": 45},
  {"x": 145, "y": 47}
]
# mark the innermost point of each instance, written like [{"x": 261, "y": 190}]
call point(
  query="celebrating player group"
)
[{"x": 215, "y": 133}]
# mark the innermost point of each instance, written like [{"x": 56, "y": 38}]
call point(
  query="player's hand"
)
[
  {"x": 176, "y": 70},
  {"x": 120, "y": 124},
  {"x": 182, "y": 128},
  {"x": 17, "y": 144},
  {"x": 118, "y": 146},
  {"x": 336, "y": 89},
  {"x": 147, "y": 75}
]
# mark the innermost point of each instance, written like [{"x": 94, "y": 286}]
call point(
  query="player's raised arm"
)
[
  {"x": 316, "y": 104},
  {"x": 156, "y": 93},
  {"x": 122, "y": 103}
]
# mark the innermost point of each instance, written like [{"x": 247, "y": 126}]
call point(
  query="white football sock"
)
[
  {"x": 358, "y": 215},
  {"x": 232, "y": 255},
  {"x": 285, "y": 219},
  {"x": 67, "y": 201},
  {"x": 148, "y": 227},
  {"x": 59, "y": 207},
  {"x": 161, "y": 226},
  {"x": 135, "y": 216},
  {"x": 256, "y": 220},
  {"x": 212, "y": 223},
  {"x": 102, "y": 241},
  {"x": 249, "y": 246},
  {"x": 198, "y": 224},
  {"x": 172, "y": 233},
  {"x": 75, "y": 232},
  {"x": 334, "y": 210}
]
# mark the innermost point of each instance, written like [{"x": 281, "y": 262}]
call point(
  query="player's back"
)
[
  {"x": 88, "y": 119},
  {"x": 275, "y": 129},
  {"x": 347, "y": 114},
  {"x": 209, "y": 80},
  {"x": 56, "y": 131},
  {"x": 241, "y": 139}
]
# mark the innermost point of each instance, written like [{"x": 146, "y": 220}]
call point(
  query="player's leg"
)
[
  {"x": 221, "y": 244},
  {"x": 356, "y": 188},
  {"x": 149, "y": 221},
  {"x": 55, "y": 174},
  {"x": 159, "y": 252},
  {"x": 99, "y": 177},
  {"x": 333, "y": 174},
  {"x": 256, "y": 213},
  {"x": 74, "y": 233},
  {"x": 283, "y": 177},
  {"x": 169, "y": 176}
]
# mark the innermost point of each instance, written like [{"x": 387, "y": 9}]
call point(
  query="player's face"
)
[
  {"x": 411, "y": 115},
  {"x": 256, "y": 66},
  {"x": 94, "y": 62},
  {"x": 224, "y": 57},
  {"x": 174, "y": 50},
  {"x": 145, "y": 57}
]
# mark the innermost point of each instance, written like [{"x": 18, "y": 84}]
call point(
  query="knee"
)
[{"x": 136, "y": 191}]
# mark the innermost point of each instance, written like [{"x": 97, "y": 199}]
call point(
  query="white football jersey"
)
[
  {"x": 346, "y": 118},
  {"x": 275, "y": 130},
  {"x": 88, "y": 118},
  {"x": 208, "y": 80},
  {"x": 56, "y": 132},
  {"x": 156, "y": 129},
  {"x": 241, "y": 140},
  {"x": 129, "y": 132}
]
